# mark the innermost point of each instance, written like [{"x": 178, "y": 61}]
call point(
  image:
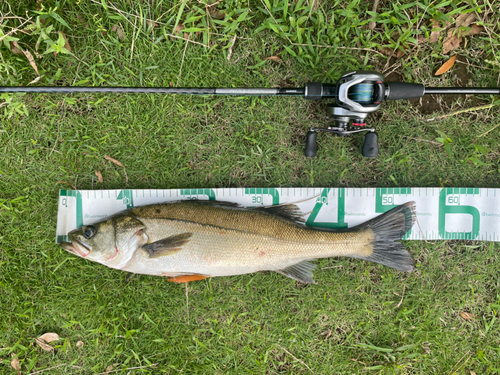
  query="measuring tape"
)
[{"x": 442, "y": 213}]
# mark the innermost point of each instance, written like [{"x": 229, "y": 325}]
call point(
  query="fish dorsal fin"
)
[
  {"x": 287, "y": 211},
  {"x": 220, "y": 204},
  {"x": 302, "y": 272},
  {"x": 167, "y": 246}
]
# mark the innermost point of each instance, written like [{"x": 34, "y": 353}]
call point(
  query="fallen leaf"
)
[
  {"x": 451, "y": 42},
  {"x": 218, "y": 15},
  {"x": 446, "y": 66},
  {"x": 99, "y": 176},
  {"x": 472, "y": 372},
  {"x": 178, "y": 28},
  {"x": 104, "y": 33},
  {"x": 119, "y": 31},
  {"x": 66, "y": 44},
  {"x": 14, "y": 47},
  {"x": 421, "y": 39},
  {"x": 49, "y": 337},
  {"x": 465, "y": 20},
  {"x": 475, "y": 29},
  {"x": 113, "y": 161},
  {"x": 108, "y": 369},
  {"x": 435, "y": 34},
  {"x": 151, "y": 23},
  {"x": 387, "y": 51},
  {"x": 80, "y": 344},
  {"x": 274, "y": 58},
  {"x": 467, "y": 316},
  {"x": 400, "y": 53},
  {"x": 35, "y": 80},
  {"x": 230, "y": 50},
  {"x": 16, "y": 365},
  {"x": 372, "y": 24},
  {"x": 44, "y": 345},
  {"x": 30, "y": 58}
]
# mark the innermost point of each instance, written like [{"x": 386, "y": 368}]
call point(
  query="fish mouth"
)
[{"x": 77, "y": 247}]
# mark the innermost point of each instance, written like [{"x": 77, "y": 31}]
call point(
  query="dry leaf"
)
[
  {"x": 151, "y": 23},
  {"x": 49, "y": 337},
  {"x": 435, "y": 34},
  {"x": 274, "y": 58},
  {"x": 113, "y": 161},
  {"x": 119, "y": 31},
  {"x": 35, "y": 80},
  {"x": 99, "y": 176},
  {"x": 387, "y": 51},
  {"x": 446, "y": 66},
  {"x": 178, "y": 29},
  {"x": 14, "y": 47},
  {"x": 465, "y": 19},
  {"x": 472, "y": 372},
  {"x": 30, "y": 58},
  {"x": 230, "y": 50},
  {"x": 400, "y": 53},
  {"x": 467, "y": 316},
  {"x": 108, "y": 369},
  {"x": 80, "y": 344},
  {"x": 66, "y": 45},
  {"x": 475, "y": 29},
  {"x": 16, "y": 365},
  {"x": 451, "y": 42},
  {"x": 44, "y": 346},
  {"x": 421, "y": 39},
  {"x": 218, "y": 15}
]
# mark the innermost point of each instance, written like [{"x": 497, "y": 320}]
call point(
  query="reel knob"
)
[
  {"x": 311, "y": 144},
  {"x": 370, "y": 147}
]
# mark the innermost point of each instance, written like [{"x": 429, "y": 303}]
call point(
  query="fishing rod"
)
[{"x": 356, "y": 95}]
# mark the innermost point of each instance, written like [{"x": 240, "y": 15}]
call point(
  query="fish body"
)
[{"x": 190, "y": 240}]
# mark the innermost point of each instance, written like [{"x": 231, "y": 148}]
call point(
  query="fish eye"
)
[{"x": 89, "y": 231}]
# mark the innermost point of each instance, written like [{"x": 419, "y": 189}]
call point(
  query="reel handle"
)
[
  {"x": 370, "y": 146},
  {"x": 311, "y": 144}
]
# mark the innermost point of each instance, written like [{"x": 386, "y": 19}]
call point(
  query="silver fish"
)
[{"x": 192, "y": 240}]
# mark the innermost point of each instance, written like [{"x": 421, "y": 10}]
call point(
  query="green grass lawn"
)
[{"x": 361, "y": 317}]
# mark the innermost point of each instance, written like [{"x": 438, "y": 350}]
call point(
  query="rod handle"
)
[{"x": 403, "y": 90}]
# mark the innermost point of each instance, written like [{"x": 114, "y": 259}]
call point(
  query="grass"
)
[{"x": 360, "y": 318}]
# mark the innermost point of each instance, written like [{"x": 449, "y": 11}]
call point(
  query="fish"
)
[{"x": 194, "y": 240}]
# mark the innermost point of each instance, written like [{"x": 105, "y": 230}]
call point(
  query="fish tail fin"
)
[{"x": 387, "y": 229}]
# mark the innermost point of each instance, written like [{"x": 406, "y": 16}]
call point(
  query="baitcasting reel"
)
[{"x": 356, "y": 95}]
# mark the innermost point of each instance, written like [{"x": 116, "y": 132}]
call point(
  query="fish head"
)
[{"x": 112, "y": 242}]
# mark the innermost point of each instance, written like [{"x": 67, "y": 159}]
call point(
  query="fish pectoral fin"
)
[
  {"x": 166, "y": 246},
  {"x": 302, "y": 272},
  {"x": 188, "y": 278}
]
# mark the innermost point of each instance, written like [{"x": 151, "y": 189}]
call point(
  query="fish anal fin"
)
[
  {"x": 166, "y": 246},
  {"x": 188, "y": 278},
  {"x": 301, "y": 272}
]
